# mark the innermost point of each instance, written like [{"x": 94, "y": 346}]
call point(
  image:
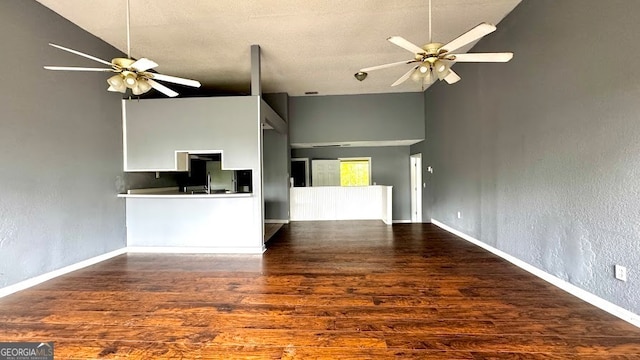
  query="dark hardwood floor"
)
[{"x": 323, "y": 290}]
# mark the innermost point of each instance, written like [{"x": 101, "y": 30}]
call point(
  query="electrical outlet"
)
[
  {"x": 459, "y": 215},
  {"x": 620, "y": 272}
]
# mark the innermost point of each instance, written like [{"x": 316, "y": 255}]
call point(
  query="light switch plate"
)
[{"x": 620, "y": 272}]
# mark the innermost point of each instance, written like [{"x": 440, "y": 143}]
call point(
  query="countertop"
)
[{"x": 173, "y": 192}]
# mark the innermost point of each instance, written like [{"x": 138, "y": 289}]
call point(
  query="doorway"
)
[
  {"x": 300, "y": 172},
  {"x": 416, "y": 188}
]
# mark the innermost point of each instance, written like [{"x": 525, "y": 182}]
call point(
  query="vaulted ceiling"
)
[{"x": 307, "y": 46}]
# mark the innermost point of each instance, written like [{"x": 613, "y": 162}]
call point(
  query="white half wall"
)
[
  {"x": 341, "y": 203},
  {"x": 221, "y": 223}
]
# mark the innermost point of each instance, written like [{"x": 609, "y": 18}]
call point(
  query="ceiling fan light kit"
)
[
  {"x": 116, "y": 84},
  {"x": 130, "y": 73},
  {"x": 141, "y": 88},
  {"x": 434, "y": 60}
]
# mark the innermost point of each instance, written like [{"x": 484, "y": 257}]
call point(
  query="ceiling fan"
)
[
  {"x": 130, "y": 74},
  {"x": 434, "y": 60}
]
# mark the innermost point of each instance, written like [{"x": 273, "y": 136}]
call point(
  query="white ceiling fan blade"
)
[
  {"x": 81, "y": 54},
  {"x": 176, "y": 80},
  {"x": 469, "y": 37},
  {"x": 143, "y": 64},
  {"x": 481, "y": 57},
  {"x": 163, "y": 89},
  {"x": 387, "y": 65},
  {"x": 75, "y": 68},
  {"x": 452, "y": 77},
  {"x": 406, "y": 44},
  {"x": 404, "y": 77}
]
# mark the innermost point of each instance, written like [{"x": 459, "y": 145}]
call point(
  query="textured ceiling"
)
[{"x": 311, "y": 45}]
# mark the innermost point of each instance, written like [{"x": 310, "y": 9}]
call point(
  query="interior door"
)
[{"x": 325, "y": 172}]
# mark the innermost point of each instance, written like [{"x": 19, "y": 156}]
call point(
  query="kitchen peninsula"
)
[
  {"x": 168, "y": 220},
  {"x": 162, "y": 135}
]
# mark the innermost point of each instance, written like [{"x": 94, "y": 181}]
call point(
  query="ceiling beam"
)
[{"x": 256, "y": 81}]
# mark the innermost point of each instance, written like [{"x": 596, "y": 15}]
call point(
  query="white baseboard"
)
[
  {"x": 62, "y": 271},
  {"x": 276, "y": 221},
  {"x": 94, "y": 260},
  {"x": 402, "y": 221},
  {"x": 194, "y": 250},
  {"x": 592, "y": 299}
]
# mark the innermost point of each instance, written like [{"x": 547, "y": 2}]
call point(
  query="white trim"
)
[
  {"x": 416, "y": 187},
  {"x": 181, "y": 195},
  {"x": 125, "y": 164},
  {"x": 276, "y": 221},
  {"x": 195, "y": 250},
  {"x": 62, "y": 271},
  {"x": 592, "y": 299},
  {"x": 125, "y": 250},
  {"x": 402, "y": 222}
]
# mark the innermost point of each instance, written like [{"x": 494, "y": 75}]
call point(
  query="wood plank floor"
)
[{"x": 323, "y": 290}]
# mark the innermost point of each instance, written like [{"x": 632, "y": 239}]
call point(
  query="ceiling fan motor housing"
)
[
  {"x": 122, "y": 63},
  {"x": 431, "y": 50}
]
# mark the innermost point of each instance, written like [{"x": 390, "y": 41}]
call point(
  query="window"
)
[{"x": 355, "y": 172}]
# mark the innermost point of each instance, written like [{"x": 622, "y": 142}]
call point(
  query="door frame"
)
[{"x": 416, "y": 187}]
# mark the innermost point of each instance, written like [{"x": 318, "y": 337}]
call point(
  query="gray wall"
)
[
  {"x": 275, "y": 172},
  {"x": 157, "y": 128},
  {"x": 541, "y": 155},
  {"x": 389, "y": 166},
  {"x": 375, "y": 117},
  {"x": 60, "y": 147},
  {"x": 276, "y": 162},
  {"x": 427, "y": 179},
  {"x": 279, "y": 102}
]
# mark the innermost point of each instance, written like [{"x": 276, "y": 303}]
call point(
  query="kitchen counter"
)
[
  {"x": 166, "y": 220},
  {"x": 173, "y": 192}
]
